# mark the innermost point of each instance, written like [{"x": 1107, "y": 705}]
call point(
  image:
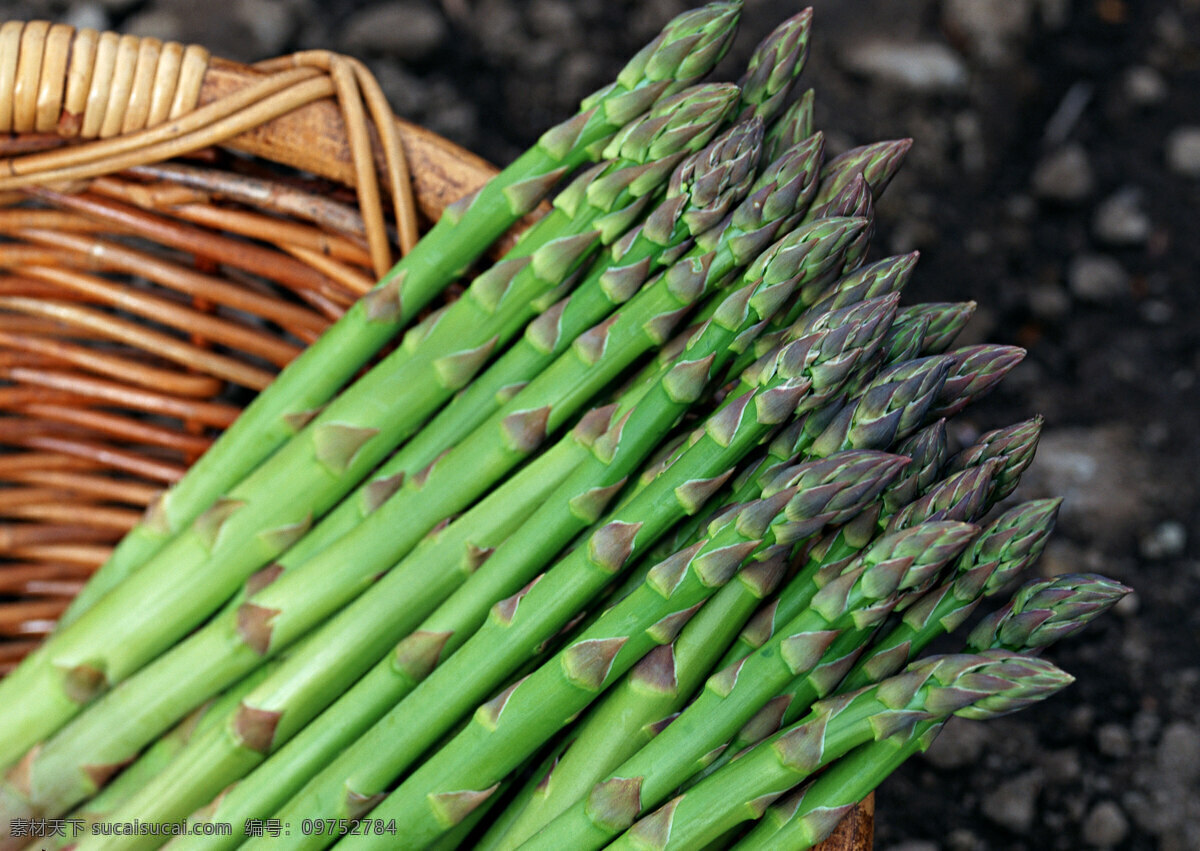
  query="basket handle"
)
[{"x": 130, "y": 101}]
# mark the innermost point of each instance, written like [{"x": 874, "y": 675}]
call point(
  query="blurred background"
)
[{"x": 1055, "y": 179}]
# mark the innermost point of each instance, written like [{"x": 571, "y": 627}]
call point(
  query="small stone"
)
[
  {"x": 1183, "y": 151},
  {"x": 1064, "y": 176},
  {"x": 88, "y": 15},
  {"x": 406, "y": 31},
  {"x": 271, "y": 23},
  {"x": 1144, "y": 86},
  {"x": 991, "y": 27},
  {"x": 1062, "y": 767},
  {"x": 1097, "y": 278},
  {"x": 914, "y": 845},
  {"x": 156, "y": 23},
  {"x": 1105, "y": 826},
  {"x": 962, "y": 839},
  {"x": 1081, "y": 719},
  {"x": 1120, "y": 220},
  {"x": 1167, "y": 540},
  {"x": 1178, "y": 756},
  {"x": 1114, "y": 740},
  {"x": 1049, "y": 302},
  {"x": 925, "y": 68},
  {"x": 1156, "y": 311},
  {"x": 1014, "y": 804},
  {"x": 960, "y": 743},
  {"x": 1145, "y": 726}
]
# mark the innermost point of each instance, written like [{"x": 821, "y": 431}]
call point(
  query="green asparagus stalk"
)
[
  {"x": 299, "y": 598},
  {"x": 887, "y": 275},
  {"x": 803, "y": 373},
  {"x": 1042, "y": 612},
  {"x": 807, "y": 815},
  {"x": 1008, "y": 545},
  {"x": 687, "y": 48},
  {"x": 508, "y": 728},
  {"x": 953, "y": 501},
  {"x": 946, "y": 320},
  {"x": 1015, "y": 444},
  {"x": 994, "y": 553},
  {"x": 636, "y": 708},
  {"x": 65, "y": 771},
  {"x": 972, "y": 686},
  {"x": 820, "y": 241},
  {"x": 861, "y": 596},
  {"x": 295, "y": 695},
  {"x": 700, "y": 192},
  {"x": 974, "y": 372},
  {"x": 774, "y": 66},
  {"x": 251, "y": 525},
  {"x": 793, "y": 124},
  {"x": 1063, "y": 606},
  {"x": 877, "y": 163},
  {"x": 162, "y": 752}
]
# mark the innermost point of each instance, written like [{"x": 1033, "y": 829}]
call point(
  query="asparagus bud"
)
[
  {"x": 774, "y": 67},
  {"x": 794, "y": 124},
  {"x": 1043, "y": 612}
]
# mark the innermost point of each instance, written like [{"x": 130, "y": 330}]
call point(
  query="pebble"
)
[
  {"x": 1167, "y": 540},
  {"x": 991, "y": 27},
  {"x": 962, "y": 839},
  {"x": 960, "y": 743},
  {"x": 1114, "y": 740},
  {"x": 272, "y": 23},
  {"x": 1178, "y": 755},
  {"x": 1064, "y": 175},
  {"x": 1183, "y": 151},
  {"x": 924, "y": 68},
  {"x": 407, "y": 31},
  {"x": 1097, "y": 278},
  {"x": 89, "y": 15},
  {"x": 1014, "y": 804},
  {"x": 1120, "y": 220},
  {"x": 1049, "y": 302},
  {"x": 1144, "y": 86},
  {"x": 1105, "y": 826}
]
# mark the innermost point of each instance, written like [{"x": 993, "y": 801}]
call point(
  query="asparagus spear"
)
[
  {"x": 986, "y": 556},
  {"x": 804, "y": 372},
  {"x": 946, "y": 320},
  {"x": 861, "y": 596},
  {"x": 687, "y": 48},
  {"x": 783, "y": 187},
  {"x": 502, "y": 732},
  {"x": 972, "y": 686},
  {"x": 773, "y": 68},
  {"x": 1045, "y": 611},
  {"x": 877, "y": 163},
  {"x": 793, "y": 124},
  {"x": 805, "y": 816},
  {"x": 636, "y": 708},
  {"x": 251, "y": 525},
  {"x": 635, "y": 429},
  {"x": 301, "y": 597}
]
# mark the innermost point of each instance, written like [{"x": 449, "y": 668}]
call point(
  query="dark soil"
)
[{"x": 1040, "y": 185}]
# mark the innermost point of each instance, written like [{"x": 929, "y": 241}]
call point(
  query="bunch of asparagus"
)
[{"x": 626, "y": 545}]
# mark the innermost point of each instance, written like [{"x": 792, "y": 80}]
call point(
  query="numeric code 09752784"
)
[{"x": 347, "y": 827}]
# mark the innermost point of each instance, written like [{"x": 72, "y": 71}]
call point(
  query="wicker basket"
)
[{"x": 176, "y": 228}]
